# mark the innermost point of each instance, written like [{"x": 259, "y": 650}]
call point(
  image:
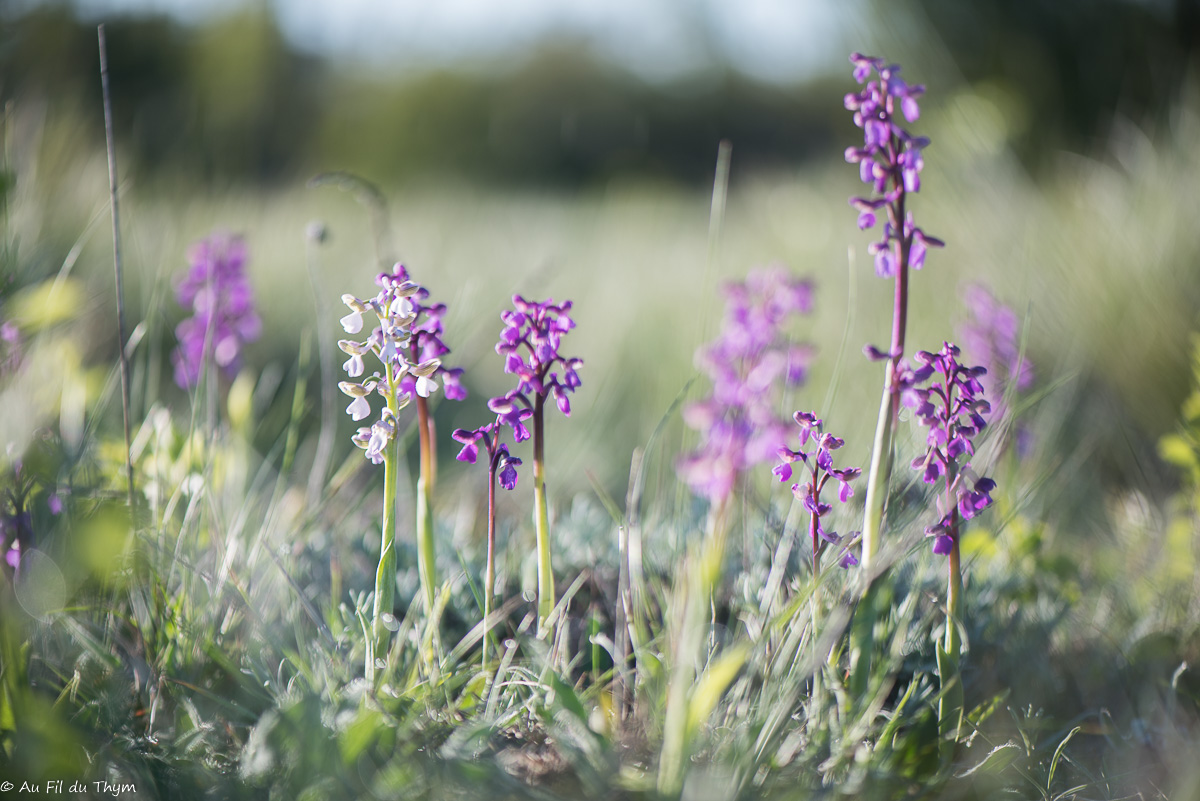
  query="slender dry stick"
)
[
  {"x": 622, "y": 614},
  {"x": 6, "y": 133},
  {"x": 122, "y": 357},
  {"x": 621, "y": 626},
  {"x": 369, "y": 195}
]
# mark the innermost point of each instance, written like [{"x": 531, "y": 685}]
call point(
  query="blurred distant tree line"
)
[
  {"x": 1074, "y": 62},
  {"x": 231, "y": 100}
]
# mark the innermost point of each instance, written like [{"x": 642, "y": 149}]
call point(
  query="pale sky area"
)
[{"x": 778, "y": 40}]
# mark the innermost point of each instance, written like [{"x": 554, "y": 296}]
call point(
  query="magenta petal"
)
[
  {"x": 916, "y": 254},
  {"x": 508, "y": 476}
]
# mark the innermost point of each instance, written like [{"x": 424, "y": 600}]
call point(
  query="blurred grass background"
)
[{"x": 1062, "y": 173}]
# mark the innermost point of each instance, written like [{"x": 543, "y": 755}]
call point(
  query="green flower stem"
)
[
  {"x": 862, "y": 628},
  {"x": 702, "y": 577},
  {"x": 862, "y": 631},
  {"x": 878, "y": 476},
  {"x": 814, "y": 609},
  {"x": 426, "y": 564},
  {"x": 953, "y": 602},
  {"x": 541, "y": 518},
  {"x": 489, "y": 573},
  {"x": 385, "y": 576},
  {"x": 889, "y": 407},
  {"x": 950, "y": 707}
]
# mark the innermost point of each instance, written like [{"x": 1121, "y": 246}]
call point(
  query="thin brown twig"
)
[{"x": 122, "y": 356}]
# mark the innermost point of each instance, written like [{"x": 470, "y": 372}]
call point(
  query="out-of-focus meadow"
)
[
  {"x": 1064, "y": 183},
  {"x": 1063, "y": 174}
]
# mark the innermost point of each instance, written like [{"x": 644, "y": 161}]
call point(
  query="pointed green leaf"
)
[{"x": 712, "y": 686}]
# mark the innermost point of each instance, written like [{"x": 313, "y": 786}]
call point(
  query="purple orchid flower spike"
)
[
  {"x": 223, "y": 318},
  {"x": 501, "y": 463},
  {"x": 819, "y": 461},
  {"x": 890, "y": 160},
  {"x": 426, "y": 345},
  {"x": 953, "y": 409},
  {"x": 529, "y": 343},
  {"x": 749, "y": 363}
]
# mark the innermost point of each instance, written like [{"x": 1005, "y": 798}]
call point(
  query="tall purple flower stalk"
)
[
  {"x": 502, "y": 469},
  {"x": 953, "y": 409},
  {"x": 223, "y": 318},
  {"x": 748, "y": 363},
  {"x": 819, "y": 462},
  {"x": 890, "y": 163},
  {"x": 529, "y": 343}
]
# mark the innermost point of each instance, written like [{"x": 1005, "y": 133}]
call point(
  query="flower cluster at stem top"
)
[
  {"x": 426, "y": 343},
  {"x": 952, "y": 408},
  {"x": 747, "y": 363},
  {"x": 529, "y": 343},
  {"x": 502, "y": 463},
  {"x": 889, "y": 161},
  {"x": 221, "y": 302},
  {"x": 820, "y": 469},
  {"x": 391, "y": 343}
]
